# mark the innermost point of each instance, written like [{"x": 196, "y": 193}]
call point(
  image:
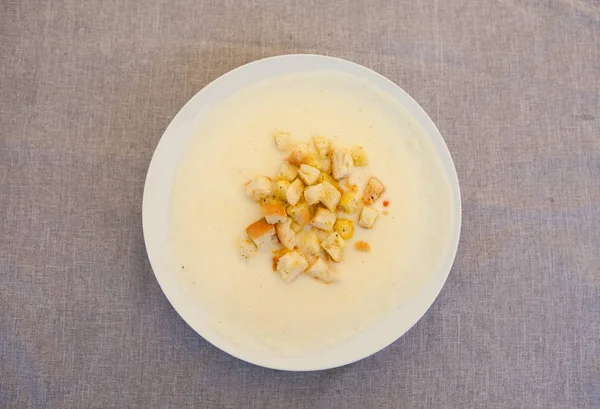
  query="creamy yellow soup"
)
[{"x": 246, "y": 302}]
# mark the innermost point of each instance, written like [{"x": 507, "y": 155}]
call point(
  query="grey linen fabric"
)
[{"x": 86, "y": 90}]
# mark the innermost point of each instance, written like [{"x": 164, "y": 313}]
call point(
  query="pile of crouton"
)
[{"x": 302, "y": 204}]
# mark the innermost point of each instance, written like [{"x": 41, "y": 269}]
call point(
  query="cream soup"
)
[{"x": 248, "y": 303}]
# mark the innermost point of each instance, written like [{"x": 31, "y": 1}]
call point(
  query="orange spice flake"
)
[
  {"x": 386, "y": 203},
  {"x": 362, "y": 246}
]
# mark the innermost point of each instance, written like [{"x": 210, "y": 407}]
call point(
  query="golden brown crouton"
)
[
  {"x": 342, "y": 163},
  {"x": 334, "y": 246},
  {"x": 301, "y": 154},
  {"x": 350, "y": 201},
  {"x": 299, "y": 213},
  {"x": 373, "y": 191},
  {"x": 323, "y": 219},
  {"x": 320, "y": 270},
  {"x": 308, "y": 244},
  {"x": 247, "y": 248},
  {"x": 294, "y": 192},
  {"x": 291, "y": 265},
  {"x": 331, "y": 196},
  {"x": 259, "y": 188},
  {"x": 359, "y": 156},
  {"x": 324, "y": 164},
  {"x": 283, "y": 140},
  {"x": 308, "y": 174},
  {"x": 285, "y": 234},
  {"x": 345, "y": 228},
  {"x": 287, "y": 171},
  {"x": 313, "y": 194},
  {"x": 280, "y": 189},
  {"x": 322, "y": 145},
  {"x": 262, "y": 233},
  {"x": 274, "y": 213},
  {"x": 367, "y": 217}
]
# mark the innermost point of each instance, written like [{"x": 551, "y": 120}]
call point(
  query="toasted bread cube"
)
[
  {"x": 309, "y": 174},
  {"x": 296, "y": 228},
  {"x": 334, "y": 246},
  {"x": 274, "y": 213},
  {"x": 270, "y": 200},
  {"x": 299, "y": 213},
  {"x": 359, "y": 156},
  {"x": 285, "y": 234},
  {"x": 283, "y": 140},
  {"x": 247, "y": 248},
  {"x": 301, "y": 154},
  {"x": 331, "y": 196},
  {"x": 322, "y": 145},
  {"x": 262, "y": 233},
  {"x": 313, "y": 194},
  {"x": 349, "y": 201},
  {"x": 367, "y": 217},
  {"x": 323, "y": 219},
  {"x": 308, "y": 244},
  {"x": 288, "y": 172},
  {"x": 290, "y": 265},
  {"x": 294, "y": 192},
  {"x": 373, "y": 191},
  {"x": 280, "y": 189},
  {"x": 344, "y": 227},
  {"x": 319, "y": 269},
  {"x": 341, "y": 163},
  {"x": 328, "y": 178},
  {"x": 259, "y": 188},
  {"x": 324, "y": 165}
]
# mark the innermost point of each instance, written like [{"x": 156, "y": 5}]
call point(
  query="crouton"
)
[
  {"x": 299, "y": 213},
  {"x": 301, "y": 154},
  {"x": 291, "y": 265},
  {"x": 334, "y": 246},
  {"x": 326, "y": 177},
  {"x": 288, "y": 172},
  {"x": 274, "y": 213},
  {"x": 308, "y": 244},
  {"x": 294, "y": 192},
  {"x": 341, "y": 163},
  {"x": 373, "y": 191},
  {"x": 280, "y": 189},
  {"x": 349, "y": 201},
  {"x": 271, "y": 200},
  {"x": 283, "y": 140},
  {"x": 258, "y": 188},
  {"x": 313, "y": 194},
  {"x": 344, "y": 227},
  {"x": 296, "y": 228},
  {"x": 308, "y": 174},
  {"x": 262, "y": 233},
  {"x": 324, "y": 164},
  {"x": 331, "y": 196},
  {"x": 247, "y": 248},
  {"x": 367, "y": 217},
  {"x": 319, "y": 269},
  {"x": 285, "y": 234},
  {"x": 322, "y": 145},
  {"x": 359, "y": 156},
  {"x": 323, "y": 219}
]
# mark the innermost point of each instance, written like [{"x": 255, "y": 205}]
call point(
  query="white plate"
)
[{"x": 157, "y": 196}]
